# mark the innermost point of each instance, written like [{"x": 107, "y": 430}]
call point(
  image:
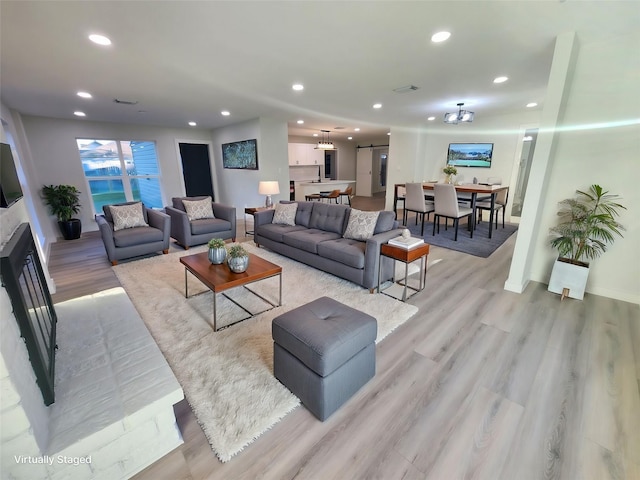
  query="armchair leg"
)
[
  {"x": 165, "y": 251},
  {"x": 114, "y": 263},
  {"x": 233, "y": 239}
]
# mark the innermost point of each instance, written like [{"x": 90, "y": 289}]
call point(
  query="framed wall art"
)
[{"x": 242, "y": 155}]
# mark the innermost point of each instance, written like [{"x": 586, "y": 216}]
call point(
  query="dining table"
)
[{"x": 477, "y": 190}]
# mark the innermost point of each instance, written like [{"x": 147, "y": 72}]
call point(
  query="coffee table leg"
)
[
  {"x": 215, "y": 329},
  {"x": 186, "y": 292},
  {"x": 280, "y": 295}
]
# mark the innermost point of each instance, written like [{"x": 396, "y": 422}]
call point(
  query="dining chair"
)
[
  {"x": 333, "y": 195},
  {"x": 415, "y": 202},
  {"x": 401, "y": 195},
  {"x": 502, "y": 197},
  {"x": 446, "y": 205},
  {"x": 348, "y": 192}
]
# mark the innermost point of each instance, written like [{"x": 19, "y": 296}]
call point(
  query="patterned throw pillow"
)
[
  {"x": 127, "y": 216},
  {"x": 285, "y": 214},
  {"x": 197, "y": 209},
  {"x": 361, "y": 224}
]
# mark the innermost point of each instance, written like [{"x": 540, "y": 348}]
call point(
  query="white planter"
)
[{"x": 569, "y": 276}]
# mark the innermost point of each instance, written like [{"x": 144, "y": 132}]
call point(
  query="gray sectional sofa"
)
[{"x": 316, "y": 239}]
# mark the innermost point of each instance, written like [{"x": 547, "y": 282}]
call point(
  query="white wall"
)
[
  {"x": 240, "y": 187},
  {"x": 605, "y": 90}
]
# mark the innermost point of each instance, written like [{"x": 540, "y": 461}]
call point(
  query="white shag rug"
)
[{"x": 227, "y": 376}]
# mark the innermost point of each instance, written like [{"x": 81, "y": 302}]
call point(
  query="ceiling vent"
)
[
  {"x": 408, "y": 88},
  {"x": 124, "y": 102}
]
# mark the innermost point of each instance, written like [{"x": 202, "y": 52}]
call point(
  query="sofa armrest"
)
[
  {"x": 263, "y": 217},
  {"x": 180, "y": 226},
  {"x": 106, "y": 231},
  {"x": 372, "y": 255},
  {"x": 161, "y": 221},
  {"x": 226, "y": 212}
]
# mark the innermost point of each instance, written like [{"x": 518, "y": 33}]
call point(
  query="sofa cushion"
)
[
  {"x": 285, "y": 213},
  {"x": 276, "y": 232},
  {"x": 386, "y": 221},
  {"x": 197, "y": 209},
  {"x": 127, "y": 216},
  {"x": 361, "y": 224},
  {"x": 327, "y": 217},
  {"x": 137, "y": 236},
  {"x": 176, "y": 202},
  {"x": 106, "y": 209},
  {"x": 308, "y": 239},
  {"x": 209, "y": 225},
  {"x": 346, "y": 251}
]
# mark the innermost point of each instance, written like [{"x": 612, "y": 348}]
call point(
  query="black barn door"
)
[{"x": 196, "y": 169}]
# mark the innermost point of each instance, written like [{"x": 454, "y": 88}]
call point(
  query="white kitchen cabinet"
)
[{"x": 305, "y": 154}]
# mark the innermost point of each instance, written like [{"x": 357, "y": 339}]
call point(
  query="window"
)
[{"x": 121, "y": 171}]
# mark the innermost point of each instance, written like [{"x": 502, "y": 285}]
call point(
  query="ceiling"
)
[{"x": 187, "y": 61}]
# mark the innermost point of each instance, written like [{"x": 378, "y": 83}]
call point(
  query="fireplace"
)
[{"x": 25, "y": 282}]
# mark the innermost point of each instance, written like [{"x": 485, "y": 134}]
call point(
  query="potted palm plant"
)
[
  {"x": 237, "y": 258},
  {"x": 64, "y": 202},
  {"x": 587, "y": 225},
  {"x": 217, "y": 251}
]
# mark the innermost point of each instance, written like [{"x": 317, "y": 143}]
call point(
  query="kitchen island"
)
[{"x": 308, "y": 188}]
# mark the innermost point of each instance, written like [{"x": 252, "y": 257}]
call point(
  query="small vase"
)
[
  {"x": 217, "y": 255},
  {"x": 238, "y": 264},
  {"x": 447, "y": 179}
]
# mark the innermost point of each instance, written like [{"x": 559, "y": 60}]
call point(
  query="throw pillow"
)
[
  {"x": 127, "y": 216},
  {"x": 285, "y": 214},
  {"x": 197, "y": 209},
  {"x": 361, "y": 224}
]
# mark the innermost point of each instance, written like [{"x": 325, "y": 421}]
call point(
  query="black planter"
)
[{"x": 71, "y": 229}]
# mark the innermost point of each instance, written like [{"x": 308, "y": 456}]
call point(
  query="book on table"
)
[{"x": 406, "y": 243}]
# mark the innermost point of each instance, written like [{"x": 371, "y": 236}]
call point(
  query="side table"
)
[
  {"x": 251, "y": 211},
  {"x": 407, "y": 257}
]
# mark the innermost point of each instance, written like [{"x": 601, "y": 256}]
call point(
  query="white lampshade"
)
[{"x": 268, "y": 188}]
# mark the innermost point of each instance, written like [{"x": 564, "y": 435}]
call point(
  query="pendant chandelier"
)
[
  {"x": 325, "y": 143},
  {"x": 461, "y": 116}
]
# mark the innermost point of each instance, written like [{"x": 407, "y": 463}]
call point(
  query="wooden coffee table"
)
[{"x": 219, "y": 278}]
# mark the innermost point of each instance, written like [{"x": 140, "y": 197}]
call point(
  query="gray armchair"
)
[
  {"x": 134, "y": 241},
  {"x": 196, "y": 232}
]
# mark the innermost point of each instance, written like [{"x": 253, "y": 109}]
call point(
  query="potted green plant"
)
[
  {"x": 64, "y": 202},
  {"x": 449, "y": 171},
  {"x": 237, "y": 258},
  {"x": 587, "y": 225},
  {"x": 217, "y": 251}
]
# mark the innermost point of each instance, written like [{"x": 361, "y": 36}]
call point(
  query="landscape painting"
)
[
  {"x": 470, "y": 154},
  {"x": 242, "y": 155}
]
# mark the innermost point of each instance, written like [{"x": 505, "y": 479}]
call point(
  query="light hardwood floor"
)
[{"x": 481, "y": 383}]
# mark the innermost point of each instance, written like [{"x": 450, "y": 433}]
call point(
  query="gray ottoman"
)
[{"x": 324, "y": 352}]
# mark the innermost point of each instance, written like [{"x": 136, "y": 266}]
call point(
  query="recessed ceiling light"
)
[
  {"x": 500, "y": 79},
  {"x": 99, "y": 39},
  {"x": 349, "y": 138},
  {"x": 377, "y": 105},
  {"x": 356, "y": 129},
  {"x": 79, "y": 114},
  {"x": 440, "y": 37},
  {"x": 431, "y": 119},
  {"x": 532, "y": 104},
  {"x": 84, "y": 94},
  {"x": 297, "y": 87},
  {"x": 300, "y": 122},
  {"x": 315, "y": 134},
  {"x": 192, "y": 124},
  {"x": 389, "y": 134},
  {"x": 226, "y": 113}
]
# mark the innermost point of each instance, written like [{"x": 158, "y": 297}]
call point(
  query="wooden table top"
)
[
  {"x": 402, "y": 254},
  {"x": 467, "y": 187},
  {"x": 219, "y": 277}
]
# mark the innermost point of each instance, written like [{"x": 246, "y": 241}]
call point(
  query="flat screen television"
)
[
  {"x": 10, "y": 189},
  {"x": 470, "y": 154}
]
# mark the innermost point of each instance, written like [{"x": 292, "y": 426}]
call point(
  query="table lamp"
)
[{"x": 268, "y": 188}]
